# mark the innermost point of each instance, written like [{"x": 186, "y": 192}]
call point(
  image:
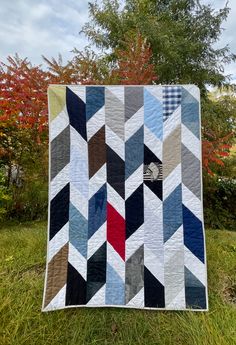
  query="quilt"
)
[{"x": 125, "y": 226}]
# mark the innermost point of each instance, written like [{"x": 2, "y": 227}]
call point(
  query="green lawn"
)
[{"x": 22, "y": 256}]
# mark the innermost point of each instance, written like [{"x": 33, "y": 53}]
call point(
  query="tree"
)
[
  {"x": 181, "y": 34},
  {"x": 86, "y": 68},
  {"x": 59, "y": 72},
  {"x": 218, "y": 130},
  {"x": 23, "y": 131},
  {"x": 23, "y": 116},
  {"x": 23, "y": 104},
  {"x": 23, "y": 97},
  {"x": 134, "y": 65}
]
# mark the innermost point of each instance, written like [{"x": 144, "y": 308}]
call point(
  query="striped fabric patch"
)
[{"x": 125, "y": 198}]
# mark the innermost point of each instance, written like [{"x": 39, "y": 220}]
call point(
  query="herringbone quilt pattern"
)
[{"x": 125, "y": 198}]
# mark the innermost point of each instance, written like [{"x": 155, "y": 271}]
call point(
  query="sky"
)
[{"x": 33, "y": 28}]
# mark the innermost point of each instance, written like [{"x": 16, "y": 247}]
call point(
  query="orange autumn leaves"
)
[{"x": 23, "y": 98}]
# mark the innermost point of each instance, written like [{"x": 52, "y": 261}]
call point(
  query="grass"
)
[{"x": 22, "y": 257}]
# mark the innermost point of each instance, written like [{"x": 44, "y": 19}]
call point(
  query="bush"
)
[
  {"x": 26, "y": 201},
  {"x": 24, "y": 186},
  {"x": 29, "y": 202},
  {"x": 5, "y": 196},
  {"x": 220, "y": 202}
]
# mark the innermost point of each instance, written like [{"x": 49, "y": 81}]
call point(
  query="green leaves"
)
[{"x": 181, "y": 34}]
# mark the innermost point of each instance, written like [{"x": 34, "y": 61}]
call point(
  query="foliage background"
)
[{"x": 138, "y": 42}]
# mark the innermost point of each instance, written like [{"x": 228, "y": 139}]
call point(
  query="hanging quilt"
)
[{"x": 125, "y": 222}]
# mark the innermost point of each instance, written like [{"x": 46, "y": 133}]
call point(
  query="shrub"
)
[
  {"x": 29, "y": 201},
  {"x": 5, "y": 196},
  {"x": 220, "y": 202}
]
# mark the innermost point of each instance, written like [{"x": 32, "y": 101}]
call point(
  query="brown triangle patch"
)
[{"x": 56, "y": 274}]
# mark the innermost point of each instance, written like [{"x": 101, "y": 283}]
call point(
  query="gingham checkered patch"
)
[{"x": 171, "y": 100}]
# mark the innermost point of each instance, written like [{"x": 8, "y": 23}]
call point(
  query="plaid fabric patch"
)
[{"x": 171, "y": 100}]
